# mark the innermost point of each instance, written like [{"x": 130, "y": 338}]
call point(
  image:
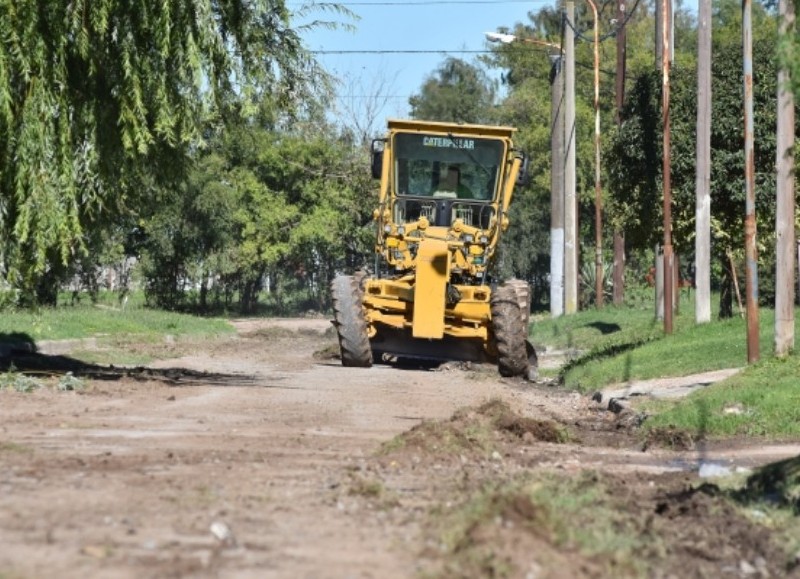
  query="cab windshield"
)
[{"x": 446, "y": 166}]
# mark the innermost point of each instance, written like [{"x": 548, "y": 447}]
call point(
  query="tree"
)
[
  {"x": 262, "y": 207},
  {"x": 457, "y": 92},
  {"x": 363, "y": 104},
  {"x": 634, "y": 154},
  {"x": 100, "y": 100}
]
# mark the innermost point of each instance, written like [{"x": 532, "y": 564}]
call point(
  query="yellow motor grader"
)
[{"x": 445, "y": 191}]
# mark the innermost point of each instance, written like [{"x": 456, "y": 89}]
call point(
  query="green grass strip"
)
[
  {"x": 87, "y": 321},
  {"x": 763, "y": 401}
]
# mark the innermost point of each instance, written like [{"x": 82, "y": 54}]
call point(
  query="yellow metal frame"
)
[
  {"x": 391, "y": 303},
  {"x": 426, "y": 257}
]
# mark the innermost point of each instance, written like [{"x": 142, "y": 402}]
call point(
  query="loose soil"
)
[{"x": 261, "y": 456}]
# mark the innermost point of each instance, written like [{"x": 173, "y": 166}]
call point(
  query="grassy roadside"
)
[
  {"x": 763, "y": 400},
  {"x": 87, "y": 321},
  {"x": 133, "y": 336},
  {"x": 689, "y": 350},
  {"x": 620, "y": 344},
  {"x": 616, "y": 345}
]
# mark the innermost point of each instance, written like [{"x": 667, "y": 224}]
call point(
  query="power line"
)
[
  {"x": 528, "y": 47},
  {"x": 400, "y": 51},
  {"x": 420, "y": 51},
  {"x": 438, "y": 2},
  {"x": 372, "y": 96}
]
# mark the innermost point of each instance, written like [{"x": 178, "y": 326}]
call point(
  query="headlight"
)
[
  {"x": 467, "y": 238},
  {"x": 483, "y": 240},
  {"x": 401, "y": 230},
  {"x": 387, "y": 229}
]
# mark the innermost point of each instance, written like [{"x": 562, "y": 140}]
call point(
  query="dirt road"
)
[{"x": 266, "y": 466}]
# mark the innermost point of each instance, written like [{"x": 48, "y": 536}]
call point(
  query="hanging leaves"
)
[{"x": 99, "y": 97}]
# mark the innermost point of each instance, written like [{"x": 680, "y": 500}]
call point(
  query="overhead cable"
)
[{"x": 434, "y": 2}]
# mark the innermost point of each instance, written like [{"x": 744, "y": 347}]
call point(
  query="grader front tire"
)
[
  {"x": 509, "y": 333},
  {"x": 351, "y": 326}
]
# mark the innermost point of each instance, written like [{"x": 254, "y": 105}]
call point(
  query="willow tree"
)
[{"x": 100, "y": 100}]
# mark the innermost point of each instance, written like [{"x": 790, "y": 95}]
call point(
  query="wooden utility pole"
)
[
  {"x": 599, "y": 282},
  {"x": 784, "y": 213},
  {"x": 570, "y": 195},
  {"x": 702, "y": 244},
  {"x": 750, "y": 252},
  {"x": 658, "y": 16},
  {"x": 619, "y": 240}
]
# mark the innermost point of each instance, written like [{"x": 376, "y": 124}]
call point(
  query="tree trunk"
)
[
  {"x": 726, "y": 292},
  {"x": 204, "y": 291}
]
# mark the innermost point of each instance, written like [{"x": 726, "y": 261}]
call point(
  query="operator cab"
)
[{"x": 444, "y": 178}]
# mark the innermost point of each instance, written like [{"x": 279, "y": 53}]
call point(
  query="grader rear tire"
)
[
  {"x": 509, "y": 333},
  {"x": 523, "y": 293},
  {"x": 351, "y": 326}
]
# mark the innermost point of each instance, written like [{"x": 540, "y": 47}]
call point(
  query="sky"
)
[{"x": 439, "y": 28}]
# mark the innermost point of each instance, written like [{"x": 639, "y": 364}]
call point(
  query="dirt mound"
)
[
  {"x": 669, "y": 437},
  {"x": 472, "y": 431}
]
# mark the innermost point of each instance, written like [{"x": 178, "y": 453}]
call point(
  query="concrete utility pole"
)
[
  {"x": 570, "y": 198},
  {"x": 556, "y": 188},
  {"x": 784, "y": 214},
  {"x": 702, "y": 244},
  {"x": 619, "y": 240},
  {"x": 557, "y": 106},
  {"x": 668, "y": 258},
  {"x": 750, "y": 254},
  {"x": 598, "y": 192}
]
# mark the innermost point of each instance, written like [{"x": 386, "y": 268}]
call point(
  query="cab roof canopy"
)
[{"x": 455, "y": 128}]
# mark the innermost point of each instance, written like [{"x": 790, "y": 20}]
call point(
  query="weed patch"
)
[
  {"x": 777, "y": 483},
  {"x": 600, "y": 525},
  {"x": 373, "y": 490},
  {"x": 541, "y": 521},
  {"x": 19, "y": 382},
  {"x": 16, "y": 448},
  {"x": 69, "y": 382}
]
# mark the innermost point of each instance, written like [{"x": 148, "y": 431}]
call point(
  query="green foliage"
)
[
  {"x": 100, "y": 101},
  {"x": 588, "y": 282},
  {"x": 528, "y": 106},
  {"x": 576, "y": 513},
  {"x": 620, "y": 344},
  {"x": 18, "y": 382},
  {"x": 457, "y": 92},
  {"x": 69, "y": 382},
  {"x": 634, "y": 155},
  {"x": 263, "y": 210}
]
